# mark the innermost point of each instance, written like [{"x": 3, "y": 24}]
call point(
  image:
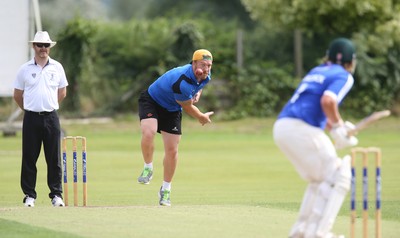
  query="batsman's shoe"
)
[
  {"x": 146, "y": 176},
  {"x": 29, "y": 201},
  {"x": 57, "y": 202},
  {"x": 331, "y": 235},
  {"x": 164, "y": 196}
]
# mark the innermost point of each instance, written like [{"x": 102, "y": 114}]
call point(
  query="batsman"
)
[{"x": 299, "y": 132}]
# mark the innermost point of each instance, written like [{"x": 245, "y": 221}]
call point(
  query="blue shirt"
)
[
  {"x": 305, "y": 103},
  {"x": 177, "y": 84}
]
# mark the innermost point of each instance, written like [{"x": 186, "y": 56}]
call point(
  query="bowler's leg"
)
[
  {"x": 171, "y": 142},
  {"x": 149, "y": 130}
]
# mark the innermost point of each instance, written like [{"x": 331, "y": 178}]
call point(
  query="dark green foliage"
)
[
  {"x": 187, "y": 40},
  {"x": 377, "y": 82},
  {"x": 129, "y": 56},
  {"x": 71, "y": 49},
  {"x": 109, "y": 64},
  {"x": 221, "y": 10},
  {"x": 260, "y": 90}
]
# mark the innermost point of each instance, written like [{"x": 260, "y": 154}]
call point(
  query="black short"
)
[{"x": 167, "y": 121}]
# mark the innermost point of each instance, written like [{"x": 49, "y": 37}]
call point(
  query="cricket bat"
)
[{"x": 369, "y": 120}]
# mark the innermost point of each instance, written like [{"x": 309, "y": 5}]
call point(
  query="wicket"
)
[
  {"x": 365, "y": 152},
  {"x": 75, "y": 168}
]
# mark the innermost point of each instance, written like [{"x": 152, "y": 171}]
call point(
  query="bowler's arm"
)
[
  {"x": 196, "y": 97},
  {"x": 193, "y": 111}
]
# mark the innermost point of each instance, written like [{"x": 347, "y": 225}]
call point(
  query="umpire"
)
[{"x": 39, "y": 87}]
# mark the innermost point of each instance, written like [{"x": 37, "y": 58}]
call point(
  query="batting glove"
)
[{"x": 339, "y": 134}]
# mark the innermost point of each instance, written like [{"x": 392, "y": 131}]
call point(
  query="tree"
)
[
  {"x": 374, "y": 26},
  {"x": 332, "y": 17},
  {"x": 56, "y": 14},
  {"x": 125, "y": 10},
  {"x": 225, "y": 10},
  {"x": 73, "y": 42}
]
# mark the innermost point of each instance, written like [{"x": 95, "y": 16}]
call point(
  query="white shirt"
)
[{"x": 40, "y": 85}]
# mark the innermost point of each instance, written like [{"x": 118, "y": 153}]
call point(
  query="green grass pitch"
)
[{"x": 231, "y": 181}]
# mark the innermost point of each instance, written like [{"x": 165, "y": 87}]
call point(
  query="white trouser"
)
[
  {"x": 314, "y": 157},
  {"x": 307, "y": 147}
]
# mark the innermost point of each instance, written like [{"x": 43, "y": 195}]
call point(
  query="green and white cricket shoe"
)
[
  {"x": 164, "y": 196},
  {"x": 146, "y": 176}
]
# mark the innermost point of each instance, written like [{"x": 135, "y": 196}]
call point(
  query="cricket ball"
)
[{"x": 198, "y": 72}]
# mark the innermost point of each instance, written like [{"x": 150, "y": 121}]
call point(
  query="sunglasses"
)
[{"x": 40, "y": 45}]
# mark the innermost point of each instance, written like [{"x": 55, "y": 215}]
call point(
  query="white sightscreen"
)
[{"x": 14, "y": 37}]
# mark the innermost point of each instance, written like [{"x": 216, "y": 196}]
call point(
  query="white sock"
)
[
  {"x": 150, "y": 165},
  {"x": 166, "y": 186}
]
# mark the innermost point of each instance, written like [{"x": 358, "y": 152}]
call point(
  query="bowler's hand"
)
[{"x": 205, "y": 118}]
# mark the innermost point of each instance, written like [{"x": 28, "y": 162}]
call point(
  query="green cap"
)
[{"x": 341, "y": 50}]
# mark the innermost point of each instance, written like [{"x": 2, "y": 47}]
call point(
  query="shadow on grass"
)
[{"x": 11, "y": 229}]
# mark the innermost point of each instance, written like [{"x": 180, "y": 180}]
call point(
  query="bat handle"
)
[{"x": 352, "y": 132}]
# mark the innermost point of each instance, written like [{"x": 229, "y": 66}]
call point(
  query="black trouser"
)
[{"x": 38, "y": 129}]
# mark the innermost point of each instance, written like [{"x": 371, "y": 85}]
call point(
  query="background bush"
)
[{"x": 116, "y": 49}]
